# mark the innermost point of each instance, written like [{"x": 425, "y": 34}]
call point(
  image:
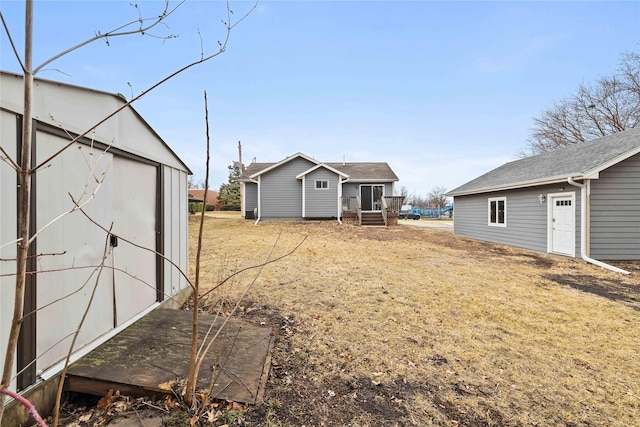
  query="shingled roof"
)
[
  {"x": 579, "y": 161},
  {"x": 357, "y": 171}
]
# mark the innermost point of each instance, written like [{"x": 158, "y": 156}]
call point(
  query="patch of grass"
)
[{"x": 414, "y": 326}]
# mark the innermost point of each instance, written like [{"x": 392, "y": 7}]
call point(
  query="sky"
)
[{"x": 442, "y": 91}]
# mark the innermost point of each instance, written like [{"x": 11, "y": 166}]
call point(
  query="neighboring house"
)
[
  {"x": 212, "y": 198},
  {"x": 581, "y": 200},
  {"x": 300, "y": 187},
  {"x": 137, "y": 186}
]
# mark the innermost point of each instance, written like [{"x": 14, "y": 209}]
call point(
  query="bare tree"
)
[
  {"x": 437, "y": 198},
  {"x": 408, "y": 196},
  {"x": 25, "y": 170},
  {"x": 420, "y": 201},
  {"x": 610, "y": 105}
]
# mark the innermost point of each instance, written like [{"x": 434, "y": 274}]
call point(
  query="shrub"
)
[
  {"x": 230, "y": 208},
  {"x": 211, "y": 208}
]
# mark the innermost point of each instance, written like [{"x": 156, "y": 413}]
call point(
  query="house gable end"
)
[{"x": 282, "y": 162}]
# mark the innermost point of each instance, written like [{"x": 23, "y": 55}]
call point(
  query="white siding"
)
[
  {"x": 77, "y": 109},
  {"x": 127, "y": 197},
  {"x": 7, "y": 227},
  {"x": 134, "y": 218},
  {"x": 175, "y": 229},
  {"x": 67, "y": 279}
]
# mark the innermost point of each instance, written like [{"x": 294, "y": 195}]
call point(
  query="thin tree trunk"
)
[
  {"x": 24, "y": 199},
  {"x": 192, "y": 376}
]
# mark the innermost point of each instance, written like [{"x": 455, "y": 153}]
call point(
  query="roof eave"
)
[
  {"x": 524, "y": 184},
  {"x": 280, "y": 163},
  {"x": 321, "y": 165}
]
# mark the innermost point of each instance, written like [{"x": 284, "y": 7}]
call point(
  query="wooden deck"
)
[{"x": 154, "y": 352}]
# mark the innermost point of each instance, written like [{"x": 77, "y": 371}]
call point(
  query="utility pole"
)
[{"x": 241, "y": 168}]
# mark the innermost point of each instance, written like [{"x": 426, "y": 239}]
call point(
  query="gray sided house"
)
[
  {"x": 125, "y": 177},
  {"x": 581, "y": 200},
  {"x": 300, "y": 187}
]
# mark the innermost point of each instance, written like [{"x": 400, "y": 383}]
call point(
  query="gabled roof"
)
[
  {"x": 280, "y": 163},
  {"x": 579, "y": 161},
  {"x": 360, "y": 171},
  {"x": 120, "y": 99},
  {"x": 366, "y": 171},
  {"x": 322, "y": 165}
]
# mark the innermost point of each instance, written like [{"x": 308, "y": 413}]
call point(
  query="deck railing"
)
[
  {"x": 352, "y": 204},
  {"x": 394, "y": 203},
  {"x": 384, "y": 210}
]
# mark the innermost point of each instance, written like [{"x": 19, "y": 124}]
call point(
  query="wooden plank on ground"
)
[{"x": 154, "y": 352}]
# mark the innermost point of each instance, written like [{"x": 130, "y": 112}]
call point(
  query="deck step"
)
[{"x": 372, "y": 219}]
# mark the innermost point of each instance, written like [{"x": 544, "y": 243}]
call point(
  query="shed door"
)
[
  {"x": 563, "y": 225},
  {"x": 134, "y": 218}
]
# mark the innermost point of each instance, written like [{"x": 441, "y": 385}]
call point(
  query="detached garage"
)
[
  {"x": 581, "y": 200},
  {"x": 130, "y": 180}
]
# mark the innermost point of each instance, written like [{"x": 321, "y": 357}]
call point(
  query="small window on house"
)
[
  {"x": 322, "y": 185},
  {"x": 498, "y": 211}
]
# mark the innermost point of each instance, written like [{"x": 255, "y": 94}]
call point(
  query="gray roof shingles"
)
[
  {"x": 574, "y": 160},
  {"x": 365, "y": 171}
]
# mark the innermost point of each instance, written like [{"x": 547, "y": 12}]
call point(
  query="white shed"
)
[{"x": 136, "y": 182}]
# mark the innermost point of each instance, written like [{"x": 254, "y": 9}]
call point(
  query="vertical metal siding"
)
[
  {"x": 79, "y": 243},
  {"x": 321, "y": 203},
  {"x": 281, "y": 192},
  {"x": 615, "y": 212},
  {"x": 526, "y": 217},
  {"x": 8, "y": 135},
  {"x": 175, "y": 231},
  {"x": 134, "y": 217}
]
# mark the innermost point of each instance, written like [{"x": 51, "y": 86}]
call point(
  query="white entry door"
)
[{"x": 563, "y": 225}]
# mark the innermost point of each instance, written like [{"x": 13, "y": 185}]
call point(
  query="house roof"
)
[
  {"x": 212, "y": 196},
  {"x": 356, "y": 171},
  {"x": 324, "y": 166},
  {"x": 579, "y": 161},
  {"x": 120, "y": 99},
  {"x": 366, "y": 171}
]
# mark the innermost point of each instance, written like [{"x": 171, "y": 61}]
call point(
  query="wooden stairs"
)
[{"x": 372, "y": 219}]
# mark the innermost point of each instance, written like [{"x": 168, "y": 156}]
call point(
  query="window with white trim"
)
[
  {"x": 497, "y": 207},
  {"x": 322, "y": 184}
]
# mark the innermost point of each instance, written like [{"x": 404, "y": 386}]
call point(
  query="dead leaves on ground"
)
[{"x": 114, "y": 406}]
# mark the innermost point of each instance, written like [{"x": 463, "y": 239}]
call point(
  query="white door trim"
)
[{"x": 551, "y": 202}]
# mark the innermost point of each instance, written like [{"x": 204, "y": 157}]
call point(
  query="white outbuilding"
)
[{"x": 131, "y": 182}]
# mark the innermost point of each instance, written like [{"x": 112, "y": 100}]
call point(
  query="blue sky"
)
[{"x": 442, "y": 91}]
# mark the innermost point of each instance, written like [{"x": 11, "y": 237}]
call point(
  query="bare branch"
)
[
  {"x": 610, "y": 105},
  {"x": 7, "y": 158},
  {"x": 100, "y": 269},
  {"x": 254, "y": 266},
  {"x": 117, "y": 32},
  {"x": 144, "y": 92},
  {"x": 13, "y": 46},
  {"x": 182, "y": 273}
]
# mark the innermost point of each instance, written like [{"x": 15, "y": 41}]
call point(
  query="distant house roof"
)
[
  {"x": 198, "y": 196},
  {"x": 579, "y": 161},
  {"x": 357, "y": 171}
]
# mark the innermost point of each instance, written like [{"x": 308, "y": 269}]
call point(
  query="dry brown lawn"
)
[{"x": 413, "y": 326}]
